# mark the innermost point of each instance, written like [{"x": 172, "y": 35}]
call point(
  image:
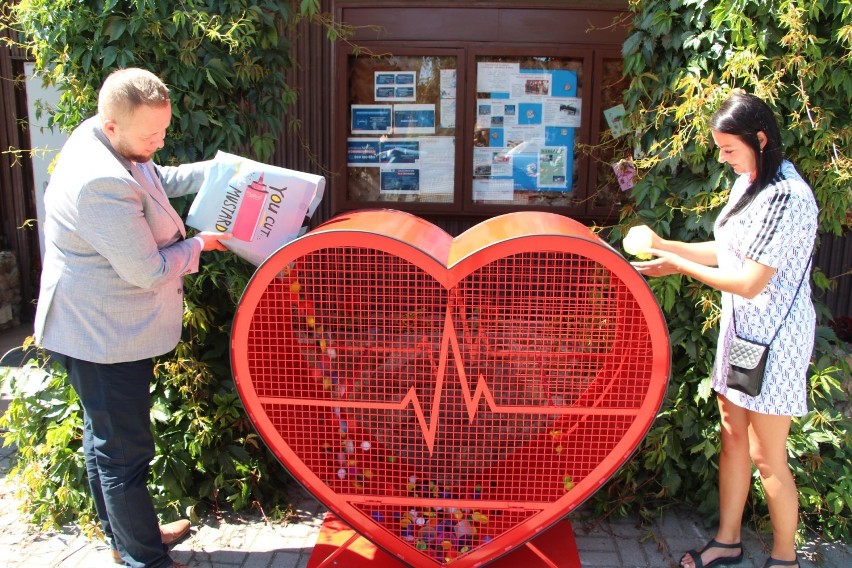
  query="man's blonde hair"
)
[{"x": 126, "y": 90}]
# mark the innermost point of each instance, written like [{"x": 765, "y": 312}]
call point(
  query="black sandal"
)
[
  {"x": 775, "y": 562},
  {"x": 722, "y": 560}
]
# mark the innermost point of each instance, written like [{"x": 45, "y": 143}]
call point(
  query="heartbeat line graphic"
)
[{"x": 429, "y": 427}]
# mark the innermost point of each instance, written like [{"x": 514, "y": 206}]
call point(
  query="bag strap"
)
[{"x": 789, "y": 309}]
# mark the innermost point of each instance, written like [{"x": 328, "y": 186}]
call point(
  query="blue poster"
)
[
  {"x": 400, "y": 180},
  {"x": 565, "y": 84},
  {"x": 400, "y": 151},
  {"x": 530, "y": 113},
  {"x": 371, "y": 119},
  {"x": 525, "y": 171},
  {"x": 559, "y": 136},
  {"x": 362, "y": 152},
  {"x": 407, "y": 119}
]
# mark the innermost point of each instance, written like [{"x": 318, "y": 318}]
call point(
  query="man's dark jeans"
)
[{"x": 118, "y": 446}]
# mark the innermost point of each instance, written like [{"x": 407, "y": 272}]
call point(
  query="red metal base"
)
[{"x": 338, "y": 545}]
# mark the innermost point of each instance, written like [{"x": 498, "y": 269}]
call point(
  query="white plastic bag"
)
[{"x": 263, "y": 206}]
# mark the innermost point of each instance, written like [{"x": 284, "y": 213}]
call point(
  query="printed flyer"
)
[{"x": 263, "y": 206}]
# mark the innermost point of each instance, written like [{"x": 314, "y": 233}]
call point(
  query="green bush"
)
[{"x": 683, "y": 59}]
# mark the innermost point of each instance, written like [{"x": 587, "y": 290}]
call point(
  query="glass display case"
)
[
  {"x": 529, "y": 115},
  {"x": 401, "y": 142},
  {"x": 484, "y": 118}
]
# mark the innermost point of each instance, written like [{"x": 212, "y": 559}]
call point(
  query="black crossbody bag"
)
[{"x": 747, "y": 359}]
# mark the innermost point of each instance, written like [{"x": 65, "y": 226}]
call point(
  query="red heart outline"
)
[{"x": 258, "y": 340}]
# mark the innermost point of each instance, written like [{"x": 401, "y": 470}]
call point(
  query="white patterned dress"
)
[{"x": 777, "y": 229}]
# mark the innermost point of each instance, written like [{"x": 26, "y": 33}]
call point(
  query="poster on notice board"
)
[{"x": 263, "y": 206}]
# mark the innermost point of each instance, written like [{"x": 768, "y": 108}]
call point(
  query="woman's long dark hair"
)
[{"x": 745, "y": 115}]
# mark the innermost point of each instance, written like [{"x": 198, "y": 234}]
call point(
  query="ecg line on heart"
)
[{"x": 429, "y": 427}]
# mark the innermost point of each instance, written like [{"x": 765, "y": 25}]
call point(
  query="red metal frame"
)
[{"x": 447, "y": 398}]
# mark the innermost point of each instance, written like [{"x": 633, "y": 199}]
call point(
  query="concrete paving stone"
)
[
  {"x": 599, "y": 559},
  {"x": 197, "y": 559},
  {"x": 213, "y": 559},
  {"x": 835, "y": 555},
  {"x": 750, "y": 561},
  {"x": 306, "y": 557},
  {"x": 222, "y": 557},
  {"x": 90, "y": 556},
  {"x": 299, "y": 530},
  {"x": 252, "y": 534},
  {"x": 271, "y": 541},
  {"x": 207, "y": 538},
  {"x": 632, "y": 551},
  {"x": 41, "y": 557},
  {"x": 596, "y": 543},
  {"x": 230, "y": 538},
  {"x": 286, "y": 559},
  {"x": 656, "y": 552},
  {"x": 259, "y": 560},
  {"x": 628, "y": 528},
  {"x": 295, "y": 543},
  {"x": 672, "y": 524}
]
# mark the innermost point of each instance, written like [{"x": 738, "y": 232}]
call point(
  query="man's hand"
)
[{"x": 211, "y": 240}]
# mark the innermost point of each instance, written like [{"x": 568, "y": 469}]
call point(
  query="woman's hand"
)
[
  {"x": 639, "y": 240},
  {"x": 664, "y": 264}
]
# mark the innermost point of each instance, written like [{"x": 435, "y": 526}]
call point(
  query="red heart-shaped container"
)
[{"x": 450, "y": 398}]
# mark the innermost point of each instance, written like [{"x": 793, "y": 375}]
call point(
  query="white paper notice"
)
[
  {"x": 531, "y": 85},
  {"x": 437, "y": 169},
  {"x": 448, "y": 113},
  {"x": 526, "y": 138},
  {"x": 563, "y": 111},
  {"x": 495, "y": 77},
  {"x": 492, "y": 190},
  {"x": 491, "y": 161},
  {"x": 448, "y": 83}
]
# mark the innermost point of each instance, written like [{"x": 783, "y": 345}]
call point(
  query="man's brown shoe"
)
[{"x": 173, "y": 532}]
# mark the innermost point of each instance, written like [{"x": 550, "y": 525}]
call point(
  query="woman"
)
[{"x": 760, "y": 261}]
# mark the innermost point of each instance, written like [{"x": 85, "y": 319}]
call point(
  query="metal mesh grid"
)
[
  {"x": 446, "y": 531},
  {"x": 409, "y": 400}
]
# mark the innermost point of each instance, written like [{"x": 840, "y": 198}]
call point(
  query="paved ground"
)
[{"x": 249, "y": 541}]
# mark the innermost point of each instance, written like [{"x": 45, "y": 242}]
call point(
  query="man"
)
[{"x": 111, "y": 296}]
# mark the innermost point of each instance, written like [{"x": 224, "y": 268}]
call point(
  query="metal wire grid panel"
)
[{"x": 446, "y": 416}]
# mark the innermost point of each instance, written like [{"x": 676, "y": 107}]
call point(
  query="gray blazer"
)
[{"x": 115, "y": 254}]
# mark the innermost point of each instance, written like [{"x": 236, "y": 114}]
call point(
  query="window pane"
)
[
  {"x": 402, "y": 128},
  {"x": 528, "y": 112}
]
